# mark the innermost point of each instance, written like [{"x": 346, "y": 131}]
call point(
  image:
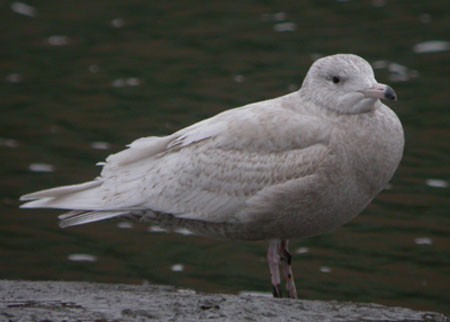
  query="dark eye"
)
[{"x": 336, "y": 79}]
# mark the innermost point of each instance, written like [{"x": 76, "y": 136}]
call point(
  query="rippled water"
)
[{"x": 81, "y": 79}]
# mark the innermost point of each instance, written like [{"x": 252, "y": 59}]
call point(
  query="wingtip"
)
[
  {"x": 62, "y": 224},
  {"x": 26, "y": 197},
  {"x": 33, "y": 203}
]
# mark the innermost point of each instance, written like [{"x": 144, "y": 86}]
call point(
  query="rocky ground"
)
[{"x": 79, "y": 301}]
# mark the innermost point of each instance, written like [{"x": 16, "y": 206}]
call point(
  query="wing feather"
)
[
  {"x": 207, "y": 175},
  {"x": 208, "y": 171}
]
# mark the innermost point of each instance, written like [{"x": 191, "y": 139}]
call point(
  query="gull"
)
[{"x": 294, "y": 166}]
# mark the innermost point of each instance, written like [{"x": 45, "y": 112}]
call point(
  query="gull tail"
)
[
  {"x": 79, "y": 196},
  {"x": 83, "y": 199}
]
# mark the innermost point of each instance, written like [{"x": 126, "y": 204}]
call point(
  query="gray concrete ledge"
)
[{"x": 80, "y": 301}]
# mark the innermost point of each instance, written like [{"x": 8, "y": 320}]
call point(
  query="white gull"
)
[{"x": 293, "y": 166}]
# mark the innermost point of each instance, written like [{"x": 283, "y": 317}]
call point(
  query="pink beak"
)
[{"x": 381, "y": 91}]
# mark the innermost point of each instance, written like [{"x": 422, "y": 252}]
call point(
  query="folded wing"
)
[{"x": 206, "y": 172}]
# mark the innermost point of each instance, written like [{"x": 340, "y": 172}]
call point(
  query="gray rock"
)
[{"x": 81, "y": 301}]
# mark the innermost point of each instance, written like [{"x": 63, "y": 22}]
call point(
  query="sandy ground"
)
[{"x": 80, "y": 301}]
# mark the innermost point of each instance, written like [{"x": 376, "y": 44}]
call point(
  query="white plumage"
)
[
  {"x": 292, "y": 166},
  {"x": 291, "y": 163}
]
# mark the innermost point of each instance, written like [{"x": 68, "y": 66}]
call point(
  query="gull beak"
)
[{"x": 381, "y": 91}]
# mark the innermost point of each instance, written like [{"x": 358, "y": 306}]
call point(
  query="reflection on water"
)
[
  {"x": 14, "y": 78},
  {"x": 436, "y": 183},
  {"x": 58, "y": 40},
  {"x": 81, "y": 80},
  {"x": 41, "y": 167},
  {"x": 431, "y": 46},
  {"x": 177, "y": 268},
  {"x": 423, "y": 241},
  {"x": 101, "y": 145},
  {"x": 23, "y": 9},
  {"x": 124, "y": 82},
  {"x": 82, "y": 258}
]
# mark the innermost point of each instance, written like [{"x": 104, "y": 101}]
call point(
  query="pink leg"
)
[
  {"x": 273, "y": 258},
  {"x": 287, "y": 268}
]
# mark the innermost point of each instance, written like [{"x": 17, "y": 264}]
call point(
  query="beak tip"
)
[{"x": 390, "y": 94}]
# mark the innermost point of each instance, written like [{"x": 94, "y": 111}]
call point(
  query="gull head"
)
[{"x": 346, "y": 84}]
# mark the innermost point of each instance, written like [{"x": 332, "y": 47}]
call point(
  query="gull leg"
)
[
  {"x": 286, "y": 258},
  {"x": 273, "y": 258}
]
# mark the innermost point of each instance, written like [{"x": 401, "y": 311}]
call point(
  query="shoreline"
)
[{"x": 75, "y": 301}]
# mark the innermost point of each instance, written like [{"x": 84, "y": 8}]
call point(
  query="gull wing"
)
[{"x": 207, "y": 171}]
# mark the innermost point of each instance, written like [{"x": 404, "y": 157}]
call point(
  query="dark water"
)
[{"x": 80, "y": 79}]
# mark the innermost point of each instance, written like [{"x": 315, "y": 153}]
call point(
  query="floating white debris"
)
[
  {"x": 156, "y": 229},
  {"x": 423, "y": 241},
  {"x": 238, "y": 78},
  {"x": 117, "y": 22},
  {"x": 100, "y": 145},
  {"x": 177, "y": 268},
  {"x": 58, "y": 40},
  {"x": 82, "y": 258},
  {"x": 398, "y": 72},
  {"x": 401, "y": 73},
  {"x": 432, "y": 46},
  {"x": 14, "y": 78},
  {"x": 94, "y": 68},
  {"x": 183, "y": 231},
  {"x": 23, "y": 9},
  {"x": 133, "y": 81},
  {"x": 380, "y": 64},
  {"x": 41, "y": 167},
  {"x": 255, "y": 293},
  {"x": 280, "y": 16},
  {"x": 125, "y": 225},
  {"x": 302, "y": 250},
  {"x": 285, "y": 27},
  {"x": 325, "y": 269},
  {"x": 436, "y": 183},
  {"x": 122, "y": 82},
  {"x": 10, "y": 143}
]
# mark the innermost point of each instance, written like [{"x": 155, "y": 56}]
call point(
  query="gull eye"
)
[{"x": 336, "y": 79}]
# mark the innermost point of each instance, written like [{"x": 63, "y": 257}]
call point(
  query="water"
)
[{"x": 82, "y": 79}]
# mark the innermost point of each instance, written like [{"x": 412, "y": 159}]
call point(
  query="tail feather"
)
[
  {"x": 60, "y": 191},
  {"x": 78, "y": 217},
  {"x": 82, "y": 196},
  {"x": 110, "y": 195}
]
